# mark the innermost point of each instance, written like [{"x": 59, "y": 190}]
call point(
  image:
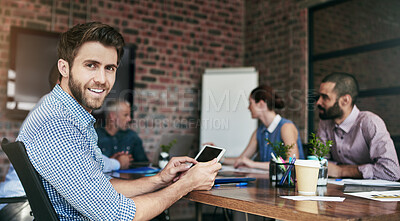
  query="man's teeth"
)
[{"x": 96, "y": 90}]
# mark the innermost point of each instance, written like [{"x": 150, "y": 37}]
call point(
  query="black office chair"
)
[{"x": 39, "y": 201}]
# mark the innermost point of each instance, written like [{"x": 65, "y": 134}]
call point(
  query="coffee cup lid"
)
[{"x": 307, "y": 163}]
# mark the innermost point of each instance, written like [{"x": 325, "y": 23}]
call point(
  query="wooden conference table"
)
[{"x": 261, "y": 198}]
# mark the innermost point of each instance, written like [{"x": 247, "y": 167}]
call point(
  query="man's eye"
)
[
  {"x": 110, "y": 68},
  {"x": 90, "y": 65}
]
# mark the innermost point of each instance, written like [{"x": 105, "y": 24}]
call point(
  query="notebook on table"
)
[
  {"x": 140, "y": 170},
  {"x": 233, "y": 180}
]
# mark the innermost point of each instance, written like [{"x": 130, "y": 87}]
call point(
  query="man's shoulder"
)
[
  {"x": 49, "y": 114},
  {"x": 368, "y": 117}
]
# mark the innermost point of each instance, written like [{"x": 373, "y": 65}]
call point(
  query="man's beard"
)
[
  {"x": 78, "y": 90},
  {"x": 331, "y": 113}
]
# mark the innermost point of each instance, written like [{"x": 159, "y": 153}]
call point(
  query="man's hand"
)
[
  {"x": 334, "y": 170},
  {"x": 175, "y": 167},
  {"x": 202, "y": 175},
  {"x": 343, "y": 171},
  {"x": 124, "y": 159}
]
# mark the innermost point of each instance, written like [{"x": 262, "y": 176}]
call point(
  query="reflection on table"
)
[{"x": 262, "y": 198}]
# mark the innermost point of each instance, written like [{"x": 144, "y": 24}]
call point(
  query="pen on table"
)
[
  {"x": 273, "y": 157},
  {"x": 277, "y": 160},
  {"x": 290, "y": 171},
  {"x": 287, "y": 172},
  {"x": 283, "y": 162},
  {"x": 230, "y": 184}
]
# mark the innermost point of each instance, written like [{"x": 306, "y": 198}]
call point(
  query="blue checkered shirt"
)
[{"x": 62, "y": 145}]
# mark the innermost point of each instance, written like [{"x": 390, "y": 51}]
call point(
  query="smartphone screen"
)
[{"x": 209, "y": 153}]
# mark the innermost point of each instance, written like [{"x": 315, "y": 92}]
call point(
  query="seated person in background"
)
[
  {"x": 262, "y": 104},
  {"x": 362, "y": 146},
  {"x": 116, "y": 137}
]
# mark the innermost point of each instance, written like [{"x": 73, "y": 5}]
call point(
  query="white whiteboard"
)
[{"x": 225, "y": 118}]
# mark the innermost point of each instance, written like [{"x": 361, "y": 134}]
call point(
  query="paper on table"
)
[
  {"x": 387, "y": 196},
  {"x": 316, "y": 198},
  {"x": 371, "y": 182},
  {"x": 226, "y": 168},
  {"x": 364, "y": 182},
  {"x": 339, "y": 182}
]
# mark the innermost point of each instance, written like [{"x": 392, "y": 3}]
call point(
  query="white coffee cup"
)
[{"x": 307, "y": 176}]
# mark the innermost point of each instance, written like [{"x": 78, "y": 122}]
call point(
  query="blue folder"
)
[
  {"x": 233, "y": 180},
  {"x": 140, "y": 170}
]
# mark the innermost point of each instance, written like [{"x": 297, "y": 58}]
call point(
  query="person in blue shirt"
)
[
  {"x": 12, "y": 187},
  {"x": 116, "y": 137},
  {"x": 115, "y": 161},
  {"x": 263, "y": 102},
  {"x": 61, "y": 141}
]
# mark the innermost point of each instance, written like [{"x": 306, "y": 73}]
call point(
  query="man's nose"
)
[
  {"x": 100, "y": 77},
  {"x": 319, "y": 101}
]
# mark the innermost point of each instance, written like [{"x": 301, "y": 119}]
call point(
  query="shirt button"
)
[
  {"x": 340, "y": 151},
  {"x": 342, "y": 138}
]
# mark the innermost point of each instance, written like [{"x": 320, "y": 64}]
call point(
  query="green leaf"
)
[
  {"x": 279, "y": 148},
  {"x": 318, "y": 147},
  {"x": 167, "y": 147}
]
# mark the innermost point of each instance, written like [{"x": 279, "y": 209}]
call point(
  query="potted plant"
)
[
  {"x": 277, "y": 166},
  {"x": 280, "y": 149},
  {"x": 319, "y": 150},
  {"x": 164, "y": 155}
]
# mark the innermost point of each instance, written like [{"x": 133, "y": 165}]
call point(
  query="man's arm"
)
[
  {"x": 343, "y": 170},
  {"x": 110, "y": 164},
  {"x": 381, "y": 150},
  {"x": 71, "y": 170},
  {"x": 199, "y": 177},
  {"x": 132, "y": 188}
]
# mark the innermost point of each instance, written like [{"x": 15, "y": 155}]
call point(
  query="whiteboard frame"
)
[{"x": 225, "y": 118}]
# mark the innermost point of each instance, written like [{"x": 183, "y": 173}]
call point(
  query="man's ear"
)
[
  {"x": 112, "y": 115},
  {"x": 345, "y": 100},
  {"x": 63, "y": 68}
]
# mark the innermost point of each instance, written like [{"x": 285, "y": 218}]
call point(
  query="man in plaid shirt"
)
[{"x": 62, "y": 144}]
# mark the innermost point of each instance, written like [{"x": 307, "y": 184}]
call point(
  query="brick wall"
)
[
  {"x": 356, "y": 23},
  {"x": 175, "y": 40},
  {"x": 276, "y": 44}
]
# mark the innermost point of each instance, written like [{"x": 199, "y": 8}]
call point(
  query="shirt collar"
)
[
  {"x": 84, "y": 117},
  {"x": 274, "y": 123},
  {"x": 350, "y": 120}
]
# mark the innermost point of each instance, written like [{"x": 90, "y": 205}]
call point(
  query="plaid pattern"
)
[{"x": 62, "y": 146}]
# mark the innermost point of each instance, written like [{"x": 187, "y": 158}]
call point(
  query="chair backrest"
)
[{"x": 39, "y": 201}]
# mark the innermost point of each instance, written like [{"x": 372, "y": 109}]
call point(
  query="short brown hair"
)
[
  {"x": 74, "y": 38},
  {"x": 345, "y": 83}
]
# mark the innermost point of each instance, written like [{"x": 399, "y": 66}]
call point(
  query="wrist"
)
[
  {"x": 158, "y": 181},
  {"x": 186, "y": 186}
]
